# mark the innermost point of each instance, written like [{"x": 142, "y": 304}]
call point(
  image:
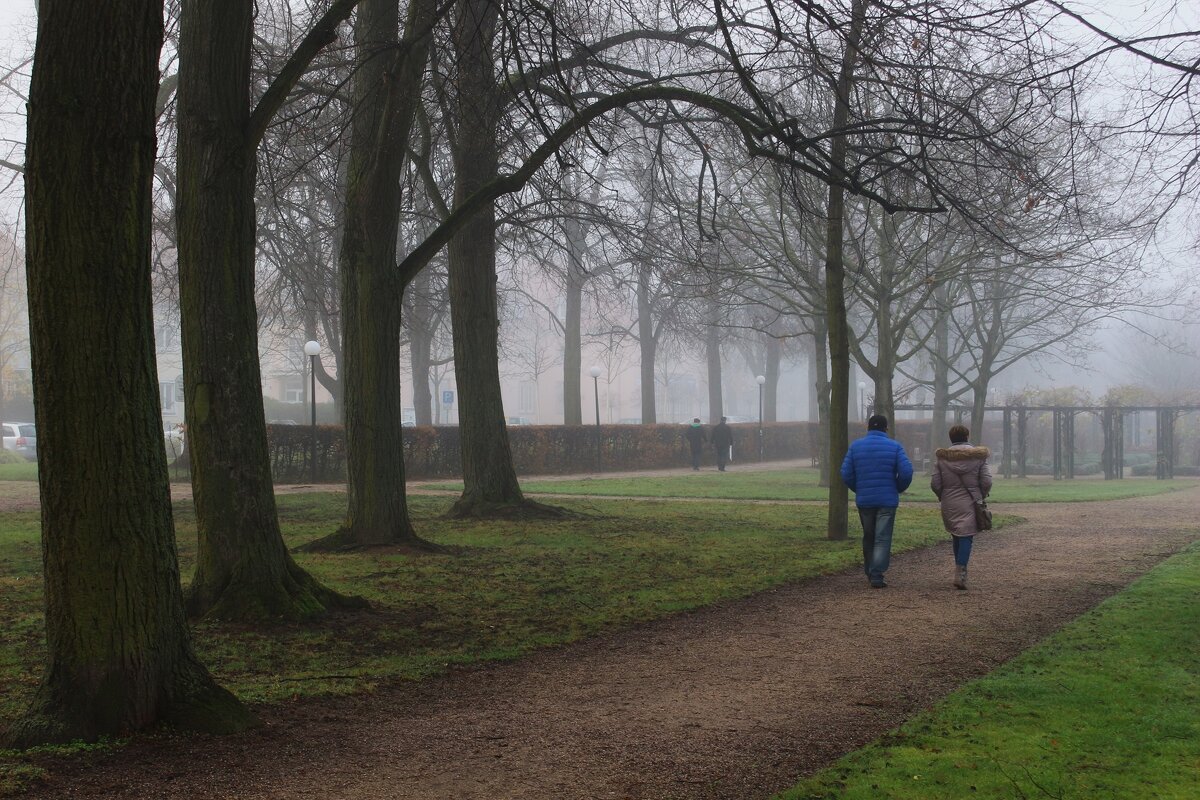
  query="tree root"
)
[
  {"x": 294, "y": 597},
  {"x": 348, "y": 540},
  {"x": 521, "y": 509}
]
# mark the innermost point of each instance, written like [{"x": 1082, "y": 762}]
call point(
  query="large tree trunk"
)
[
  {"x": 243, "y": 569},
  {"x": 647, "y": 345},
  {"x": 490, "y": 486},
  {"x": 835, "y": 286},
  {"x": 385, "y": 95},
  {"x": 119, "y": 657},
  {"x": 712, "y": 349}
]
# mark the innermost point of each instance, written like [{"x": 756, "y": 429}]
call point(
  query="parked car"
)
[
  {"x": 282, "y": 422},
  {"x": 21, "y": 438},
  {"x": 629, "y": 421},
  {"x": 173, "y": 439},
  {"x": 520, "y": 421}
]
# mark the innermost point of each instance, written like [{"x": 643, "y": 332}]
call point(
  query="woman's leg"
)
[{"x": 962, "y": 549}]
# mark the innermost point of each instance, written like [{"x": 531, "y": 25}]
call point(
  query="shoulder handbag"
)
[{"x": 983, "y": 514}]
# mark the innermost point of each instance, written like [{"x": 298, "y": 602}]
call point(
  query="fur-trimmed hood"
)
[{"x": 961, "y": 453}]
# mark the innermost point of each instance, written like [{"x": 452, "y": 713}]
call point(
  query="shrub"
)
[{"x": 435, "y": 452}]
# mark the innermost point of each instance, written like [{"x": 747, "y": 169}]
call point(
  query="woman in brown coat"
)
[{"x": 960, "y": 477}]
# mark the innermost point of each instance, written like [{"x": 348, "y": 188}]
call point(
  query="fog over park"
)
[
  {"x": 332, "y": 248},
  {"x": 1116, "y": 206}
]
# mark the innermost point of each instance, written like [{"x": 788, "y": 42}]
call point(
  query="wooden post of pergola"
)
[
  {"x": 1007, "y": 463},
  {"x": 1068, "y": 433},
  {"x": 1119, "y": 443},
  {"x": 1022, "y": 442},
  {"x": 1056, "y": 441},
  {"x": 1165, "y": 435},
  {"x": 1108, "y": 456}
]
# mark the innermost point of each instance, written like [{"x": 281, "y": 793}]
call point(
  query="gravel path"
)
[{"x": 735, "y": 701}]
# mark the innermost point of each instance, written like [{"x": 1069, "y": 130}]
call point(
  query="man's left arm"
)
[{"x": 904, "y": 469}]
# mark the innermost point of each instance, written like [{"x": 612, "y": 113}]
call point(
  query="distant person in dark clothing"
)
[
  {"x": 722, "y": 441},
  {"x": 877, "y": 470},
  {"x": 696, "y": 438}
]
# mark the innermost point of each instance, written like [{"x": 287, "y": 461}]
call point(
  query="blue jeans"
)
[
  {"x": 962, "y": 549},
  {"x": 877, "y": 524}
]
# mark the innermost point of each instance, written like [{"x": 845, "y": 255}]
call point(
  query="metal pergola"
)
[{"x": 1112, "y": 423}]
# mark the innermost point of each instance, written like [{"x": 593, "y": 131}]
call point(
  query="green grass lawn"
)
[
  {"x": 1107, "y": 708},
  {"x": 25, "y": 471},
  {"x": 802, "y": 484},
  {"x": 512, "y": 587}
]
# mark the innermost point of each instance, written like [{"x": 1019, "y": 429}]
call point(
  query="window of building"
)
[
  {"x": 166, "y": 396},
  {"x": 528, "y": 399}
]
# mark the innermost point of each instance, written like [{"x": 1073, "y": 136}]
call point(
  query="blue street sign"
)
[{"x": 447, "y": 398}]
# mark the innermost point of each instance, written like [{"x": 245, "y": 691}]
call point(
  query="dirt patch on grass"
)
[{"x": 735, "y": 701}]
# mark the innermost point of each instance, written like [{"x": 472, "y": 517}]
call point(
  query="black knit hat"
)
[{"x": 877, "y": 423}]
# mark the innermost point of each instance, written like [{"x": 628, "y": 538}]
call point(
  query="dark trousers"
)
[
  {"x": 696, "y": 453},
  {"x": 877, "y": 524},
  {"x": 722, "y": 457}
]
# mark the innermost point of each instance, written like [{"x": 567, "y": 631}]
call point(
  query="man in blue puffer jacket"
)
[{"x": 877, "y": 470}]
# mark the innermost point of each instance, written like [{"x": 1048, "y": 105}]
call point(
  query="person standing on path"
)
[
  {"x": 961, "y": 478},
  {"x": 722, "y": 442},
  {"x": 877, "y": 470},
  {"x": 696, "y": 438}
]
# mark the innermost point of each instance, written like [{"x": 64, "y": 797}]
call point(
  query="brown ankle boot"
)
[{"x": 960, "y": 577}]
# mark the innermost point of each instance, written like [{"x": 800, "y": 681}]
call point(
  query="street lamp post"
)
[
  {"x": 595, "y": 373},
  {"x": 312, "y": 349},
  {"x": 862, "y": 401},
  {"x": 760, "y": 380}
]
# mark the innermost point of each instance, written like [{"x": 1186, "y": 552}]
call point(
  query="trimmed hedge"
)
[{"x": 431, "y": 452}]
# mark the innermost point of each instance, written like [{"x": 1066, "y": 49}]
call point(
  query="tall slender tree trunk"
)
[
  {"x": 118, "y": 653},
  {"x": 821, "y": 387},
  {"x": 774, "y": 359},
  {"x": 243, "y": 569},
  {"x": 386, "y": 87},
  {"x": 885, "y": 335},
  {"x": 647, "y": 345},
  {"x": 941, "y": 369},
  {"x": 712, "y": 349},
  {"x": 420, "y": 346},
  {"x": 835, "y": 285},
  {"x": 573, "y": 325}
]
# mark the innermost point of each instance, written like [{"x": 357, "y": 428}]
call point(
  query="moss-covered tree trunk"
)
[
  {"x": 243, "y": 569},
  {"x": 386, "y": 89},
  {"x": 119, "y": 657},
  {"x": 490, "y": 485}
]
